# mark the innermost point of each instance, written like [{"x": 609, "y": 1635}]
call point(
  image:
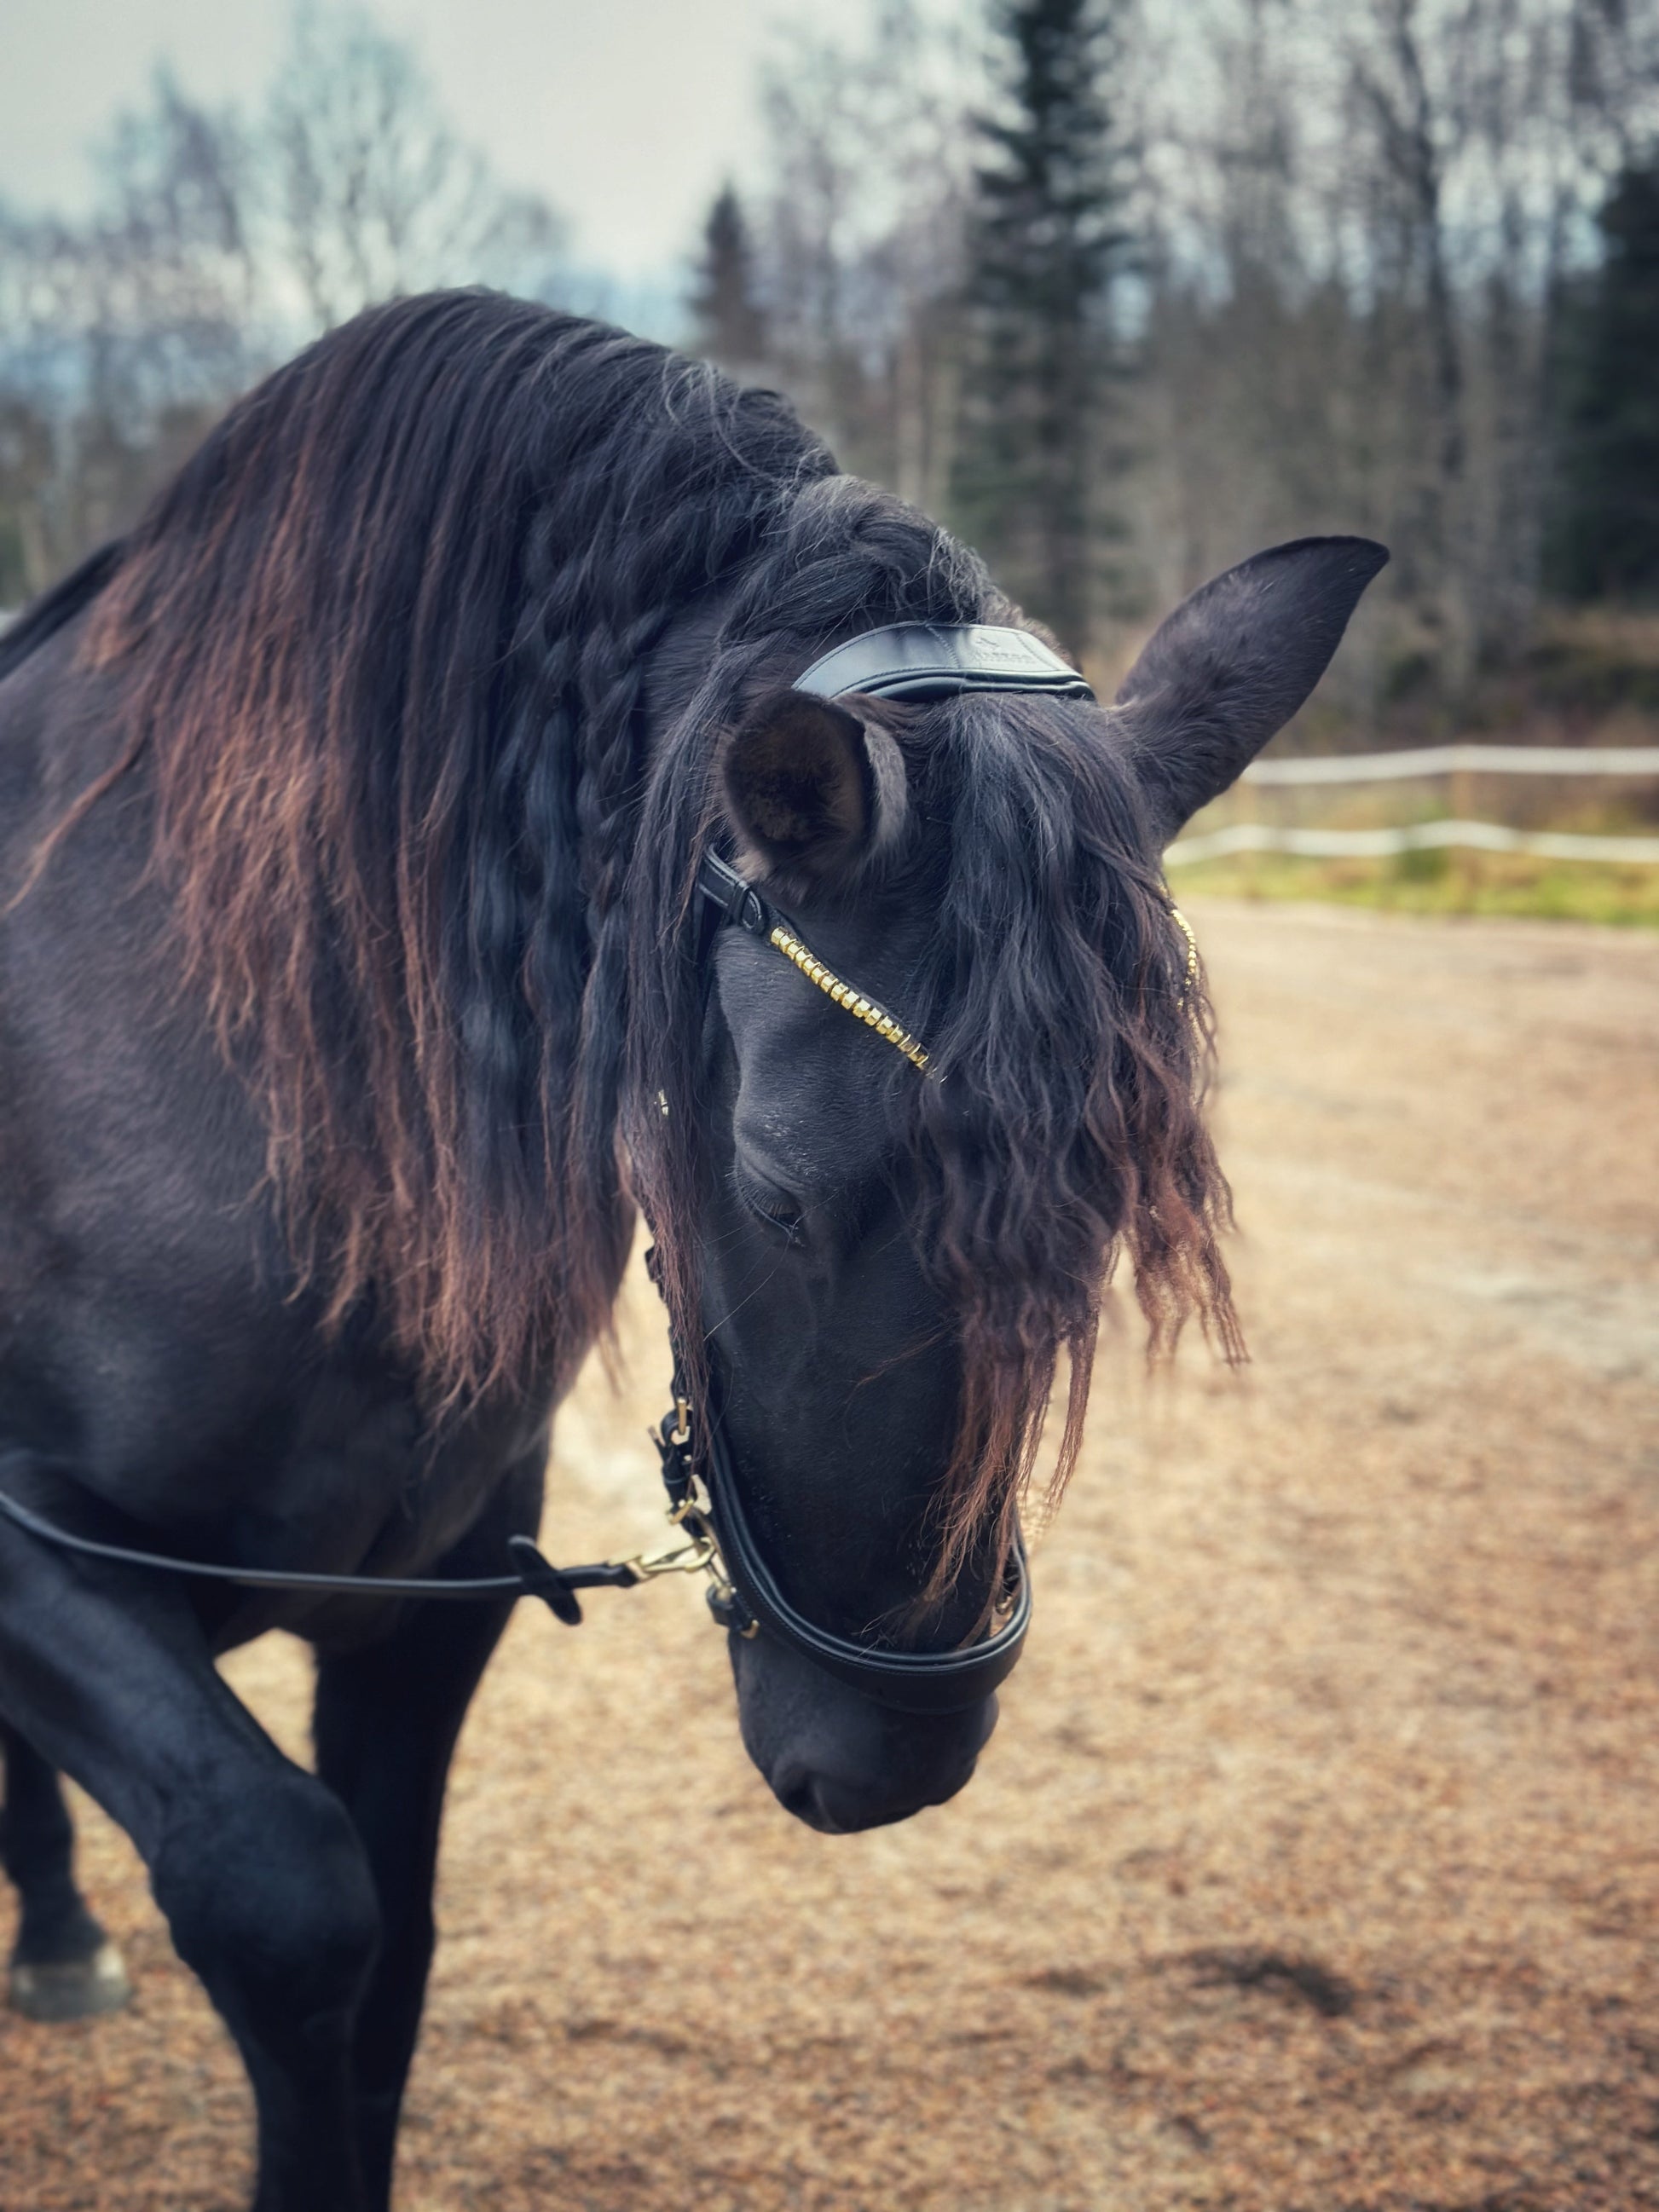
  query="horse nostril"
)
[
  {"x": 836, "y": 1808},
  {"x": 865, "y": 1774},
  {"x": 796, "y": 1790}
]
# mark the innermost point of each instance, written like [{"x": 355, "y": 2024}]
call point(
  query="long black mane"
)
[{"x": 386, "y": 642}]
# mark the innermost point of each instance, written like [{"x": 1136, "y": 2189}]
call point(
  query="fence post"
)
[{"x": 1466, "y": 861}]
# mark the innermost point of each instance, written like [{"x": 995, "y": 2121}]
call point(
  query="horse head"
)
[{"x": 971, "y": 862}]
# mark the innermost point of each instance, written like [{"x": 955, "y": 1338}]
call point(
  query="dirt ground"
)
[{"x": 1315, "y": 1865}]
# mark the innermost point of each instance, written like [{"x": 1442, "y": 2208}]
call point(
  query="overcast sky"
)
[{"x": 626, "y": 114}]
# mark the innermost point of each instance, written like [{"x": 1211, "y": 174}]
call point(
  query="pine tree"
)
[
  {"x": 1046, "y": 243},
  {"x": 731, "y": 326},
  {"x": 1606, "y": 543}
]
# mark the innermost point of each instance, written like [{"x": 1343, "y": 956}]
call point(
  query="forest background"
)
[{"x": 1121, "y": 292}]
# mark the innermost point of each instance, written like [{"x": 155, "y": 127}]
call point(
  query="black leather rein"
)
[
  {"x": 921, "y": 660},
  {"x": 534, "y": 1576}
]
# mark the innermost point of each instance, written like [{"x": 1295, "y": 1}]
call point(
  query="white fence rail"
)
[
  {"x": 1461, "y": 761},
  {"x": 1378, "y": 844}
]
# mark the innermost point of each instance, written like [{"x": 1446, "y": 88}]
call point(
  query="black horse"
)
[{"x": 355, "y": 991}]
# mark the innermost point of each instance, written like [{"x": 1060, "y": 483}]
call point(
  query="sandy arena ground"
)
[{"x": 1314, "y": 1866}]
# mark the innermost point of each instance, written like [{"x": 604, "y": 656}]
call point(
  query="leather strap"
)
[
  {"x": 733, "y": 898},
  {"x": 534, "y": 1575},
  {"x": 936, "y": 661},
  {"x": 910, "y": 1682}
]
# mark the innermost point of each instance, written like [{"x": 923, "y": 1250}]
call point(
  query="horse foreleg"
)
[
  {"x": 63, "y": 1964},
  {"x": 384, "y": 1728},
  {"x": 254, "y": 1863}
]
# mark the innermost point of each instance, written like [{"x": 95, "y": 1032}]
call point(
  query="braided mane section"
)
[{"x": 385, "y": 638}]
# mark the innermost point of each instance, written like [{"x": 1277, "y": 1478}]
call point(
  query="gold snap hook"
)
[{"x": 674, "y": 1559}]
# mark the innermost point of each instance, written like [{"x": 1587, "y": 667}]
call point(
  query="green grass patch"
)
[{"x": 1436, "y": 880}]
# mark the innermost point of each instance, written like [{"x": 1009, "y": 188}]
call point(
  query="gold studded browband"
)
[
  {"x": 1190, "y": 976},
  {"x": 865, "y": 1010},
  {"x": 904, "y": 660},
  {"x": 738, "y": 902}
]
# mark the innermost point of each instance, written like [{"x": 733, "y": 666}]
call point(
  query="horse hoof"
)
[{"x": 70, "y": 1989}]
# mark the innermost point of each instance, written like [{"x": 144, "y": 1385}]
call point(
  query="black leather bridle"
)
[
  {"x": 706, "y": 1501},
  {"x": 909, "y": 660},
  {"x": 905, "y": 660}
]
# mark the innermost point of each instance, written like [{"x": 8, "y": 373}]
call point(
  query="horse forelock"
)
[{"x": 1068, "y": 1132}]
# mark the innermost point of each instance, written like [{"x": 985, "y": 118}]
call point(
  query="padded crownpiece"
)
[{"x": 934, "y": 661}]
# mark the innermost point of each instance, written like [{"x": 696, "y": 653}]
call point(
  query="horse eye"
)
[{"x": 772, "y": 1205}]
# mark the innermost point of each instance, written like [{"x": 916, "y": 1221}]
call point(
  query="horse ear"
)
[
  {"x": 811, "y": 789},
  {"x": 1231, "y": 665}
]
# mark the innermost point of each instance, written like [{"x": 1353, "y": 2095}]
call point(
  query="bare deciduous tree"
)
[
  {"x": 861, "y": 240},
  {"x": 1366, "y": 216},
  {"x": 374, "y": 193},
  {"x": 215, "y": 247}
]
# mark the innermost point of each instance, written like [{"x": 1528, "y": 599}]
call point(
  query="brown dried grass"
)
[{"x": 1312, "y": 1869}]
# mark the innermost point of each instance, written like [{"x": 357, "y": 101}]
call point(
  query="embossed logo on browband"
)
[{"x": 935, "y": 660}]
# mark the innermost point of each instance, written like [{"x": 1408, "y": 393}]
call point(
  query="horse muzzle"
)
[{"x": 836, "y": 1758}]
